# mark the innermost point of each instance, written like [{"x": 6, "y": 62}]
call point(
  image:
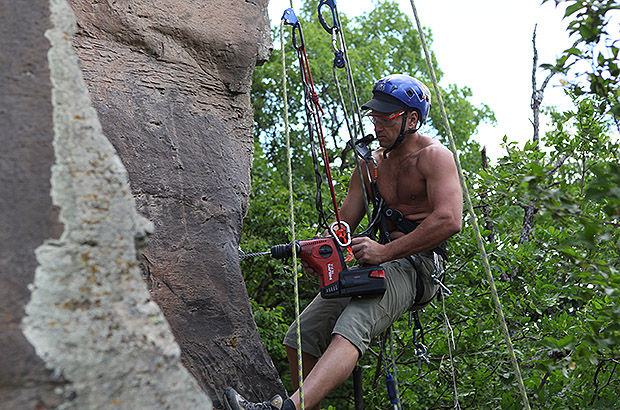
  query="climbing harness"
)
[{"x": 474, "y": 221}]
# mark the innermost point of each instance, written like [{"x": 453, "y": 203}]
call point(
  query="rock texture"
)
[
  {"x": 90, "y": 317},
  {"x": 27, "y": 216},
  {"x": 170, "y": 81}
]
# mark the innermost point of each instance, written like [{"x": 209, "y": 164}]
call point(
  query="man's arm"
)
[{"x": 445, "y": 197}]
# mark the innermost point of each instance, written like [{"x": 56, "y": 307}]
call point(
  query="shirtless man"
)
[{"x": 417, "y": 176}]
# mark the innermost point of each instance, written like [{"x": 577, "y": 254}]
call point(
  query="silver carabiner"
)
[
  {"x": 336, "y": 238},
  {"x": 438, "y": 272}
]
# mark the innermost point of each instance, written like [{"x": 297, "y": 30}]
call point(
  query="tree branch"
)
[
  {"x": 488, "y": 222},
  {"x": 537, "y": 93}
]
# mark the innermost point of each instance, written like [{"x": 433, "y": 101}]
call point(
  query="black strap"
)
[
  {"x": 401, "y": 135},
  {"x": 419, "y": 289},
  {"x": 405, "y": 225}
]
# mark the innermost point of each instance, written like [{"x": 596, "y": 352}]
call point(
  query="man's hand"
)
[
  {"x": 309, "y": 270},
  {"x": 367, "y": 251}
]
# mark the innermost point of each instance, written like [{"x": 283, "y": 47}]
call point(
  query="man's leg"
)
[
  {"x": 308, "y": 363},
  {"x": 308, "y": 360},
  {"x": 331, "y": 370}
]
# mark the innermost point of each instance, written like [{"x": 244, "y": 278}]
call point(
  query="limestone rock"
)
[
  {"x": 170, "y": 84},
  {"x": 27, "y": 216}
]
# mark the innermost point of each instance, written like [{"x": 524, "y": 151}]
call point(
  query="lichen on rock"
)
[{"x": 90, "y": 316}]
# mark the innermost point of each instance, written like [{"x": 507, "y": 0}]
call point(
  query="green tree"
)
[
  {"x": 592, "y": 61},
  {"x": 559, "y": 288}
]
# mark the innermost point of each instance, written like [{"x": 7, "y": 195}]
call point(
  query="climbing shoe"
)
[{"x": 235, "y": 401}]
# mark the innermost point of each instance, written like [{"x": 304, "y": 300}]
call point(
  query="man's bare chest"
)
[{"x": 402, "y": 187}]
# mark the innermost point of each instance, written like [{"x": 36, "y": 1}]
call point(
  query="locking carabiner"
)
[
  {"x": 341, "y": 232},
  {"x": 334, "y": 30},
  {"x": 332, "y": 7}
]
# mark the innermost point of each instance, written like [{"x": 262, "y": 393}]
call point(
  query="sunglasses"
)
[{"x": 385, "y": 121}]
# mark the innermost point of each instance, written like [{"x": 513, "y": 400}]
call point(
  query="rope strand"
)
[
  {"x": 292, "y": 219},
  {"x": 474, "y": 222}
]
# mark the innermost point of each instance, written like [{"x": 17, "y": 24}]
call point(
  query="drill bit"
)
[{"x": 243, "y": 255}]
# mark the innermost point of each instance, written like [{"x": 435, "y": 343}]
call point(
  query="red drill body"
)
[{"x": 337, "y": 280}]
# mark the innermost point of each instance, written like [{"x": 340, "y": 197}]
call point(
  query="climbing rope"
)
[
  {"x": 300, "y": 373},
  {"x": 451, "y": 345},
  {"x": 389, "y": 368},
  {"x": 339, "y": 229},
  {"x": 353, "y": 120},
  {"x": 474, "y": 222}
]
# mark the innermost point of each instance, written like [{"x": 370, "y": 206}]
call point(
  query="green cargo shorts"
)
[{"x": 359, "y": 320}]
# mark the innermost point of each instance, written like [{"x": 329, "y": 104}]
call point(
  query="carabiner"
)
[
  {"x": 342, "y": 234},
  {"x": 334, "y": 30},
  {"x": 332, "y": 6},
  {"x": 438, "y": 273},
  {"x": 291, "y": 19}
]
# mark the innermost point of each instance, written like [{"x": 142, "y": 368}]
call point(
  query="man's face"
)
[{"x": 388, "y": 125}]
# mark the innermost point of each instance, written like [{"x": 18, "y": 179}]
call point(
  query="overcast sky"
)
[{"x": 487, "y": 46}]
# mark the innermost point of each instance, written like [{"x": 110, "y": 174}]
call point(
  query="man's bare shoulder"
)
[
  {"x": 434, "y": 155},
  {"x": 429, "y": 144}
]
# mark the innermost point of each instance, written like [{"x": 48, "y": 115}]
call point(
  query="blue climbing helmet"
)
[{"x": 399, "y": 91}]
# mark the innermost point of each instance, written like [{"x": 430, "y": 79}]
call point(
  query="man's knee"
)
[{"x": 344, "y": 345}]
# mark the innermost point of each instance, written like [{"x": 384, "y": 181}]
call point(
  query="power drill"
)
[{"x": 337, "y": 280}]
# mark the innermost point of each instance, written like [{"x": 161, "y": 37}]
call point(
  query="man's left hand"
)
[{"x": 367, "y": 251}]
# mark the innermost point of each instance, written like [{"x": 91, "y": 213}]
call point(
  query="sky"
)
[{"x": 487, "y": 46}]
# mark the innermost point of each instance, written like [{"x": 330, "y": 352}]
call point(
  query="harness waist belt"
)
[{"x": 405, "y": 225}]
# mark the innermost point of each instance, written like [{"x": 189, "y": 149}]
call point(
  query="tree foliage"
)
[
  {"x": 559, "y": 285},
  {"x": 594, "y": 57}
]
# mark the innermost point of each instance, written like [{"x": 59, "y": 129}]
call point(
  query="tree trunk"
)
[{"x": 536, "y": 102}]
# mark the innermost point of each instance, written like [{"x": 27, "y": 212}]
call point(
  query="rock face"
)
[
  {"x": 89, "y": 319},
  {"x": 169, "y": 82},
  {"x": 27, "y": 216}
]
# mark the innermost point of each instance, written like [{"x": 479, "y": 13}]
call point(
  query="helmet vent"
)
[
  {"x": 394, "y": 88},
  {"x": 410, "y": 93}
]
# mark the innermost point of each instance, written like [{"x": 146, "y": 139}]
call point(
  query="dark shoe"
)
[{"x": 234, "y": 401}]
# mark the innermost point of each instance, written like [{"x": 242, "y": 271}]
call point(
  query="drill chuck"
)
[{"x": 283, "y": 251}]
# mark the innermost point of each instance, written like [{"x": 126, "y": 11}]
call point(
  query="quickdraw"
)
[{"x": 339, "y": 229}]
